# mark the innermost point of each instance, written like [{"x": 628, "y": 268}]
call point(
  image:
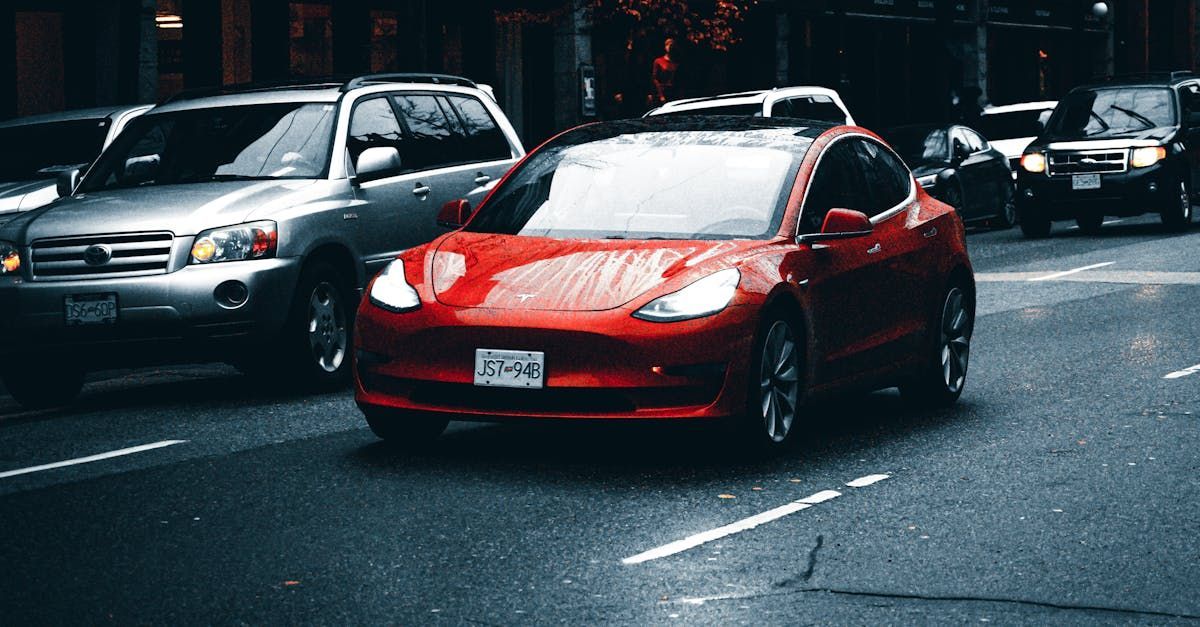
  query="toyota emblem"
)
[{"x": 97, "y": 255}]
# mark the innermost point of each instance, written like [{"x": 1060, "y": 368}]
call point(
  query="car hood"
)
[
  {"x": 1148, "y": 137},
  {"x": 180, "y": 209},
  {"x": 1012, "y": 148},
  {"x": 515, "y": 272},
  {"x": 24, "y": 195}
]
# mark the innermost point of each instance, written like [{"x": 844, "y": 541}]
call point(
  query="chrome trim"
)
[{"x": 1123, "y": 162}]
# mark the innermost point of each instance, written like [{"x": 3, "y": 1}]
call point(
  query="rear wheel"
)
[
  {"x": 952, "y": 195},
  {"x": 1089, "y": 223},
  {"x": 1008, "y": 211},
  {"x": 38, "y": 384},
  {"x": 402, "y": 429},
  {"x": 943, "y": 373},
  {"x": 773, "y": 401},
  {"x": 1177, "y": 214}
]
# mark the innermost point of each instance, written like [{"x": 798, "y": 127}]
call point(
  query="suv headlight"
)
[
  {"x": 10, "y": 258},
  {"x": 253, "y": 240},
  {"x": 702, "y": 298},
  {"x": 1147, "y": 156},
  {"x": 391, "y": 290},
  {"x": 1033, "y": 162}
]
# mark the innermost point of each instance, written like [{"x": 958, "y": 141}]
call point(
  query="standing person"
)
[{"x": 663, "y": 73}]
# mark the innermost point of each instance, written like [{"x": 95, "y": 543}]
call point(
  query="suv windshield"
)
[
  {"x": 919, "y": 145},
  {"x": 1111, "y": 112},
  {"x": 650, "y": 185},
  {"x": 270, "y": 141},
  {"x": 40, "y": 151},
  {"x": 1013, "y": 124}
]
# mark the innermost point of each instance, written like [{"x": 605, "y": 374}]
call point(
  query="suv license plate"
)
[
  {"x": 1085, "y": 181},
  {"x": 81, "y": 309},
  {"x": 509, "y": 369}
]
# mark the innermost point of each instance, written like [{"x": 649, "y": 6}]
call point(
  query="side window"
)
[
  {"x": 1189, "y": 98},
  {"x": 435, "y": 141},
  {"x": 485, "y": 141},
  {"x": 373, "y": 124},
  {"x": 888, "y": 181},
  {"x": 817, "y": 107},
  {"x": 975, "y": 141},
  {"x": 837, "y": 184},
  {"x": 781, "y": 109}
]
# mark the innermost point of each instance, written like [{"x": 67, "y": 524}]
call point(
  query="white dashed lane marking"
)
[
  {"x": 90, "y": 458},
  {"x": 745, "y": 524},
  {"x": 1064, "y": 273},
  {"x": 1178, "y": 374}
]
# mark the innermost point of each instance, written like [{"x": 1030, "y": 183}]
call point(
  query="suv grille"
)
[
  {"x": 130, "y": 254},
  {"x": 1089, "y": 162}
]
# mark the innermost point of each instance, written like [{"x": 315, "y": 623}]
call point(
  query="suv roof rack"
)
[
  {"x": 242, "y": 88},
  {"x": 407, "y": 77},
  {"x": 1150, "y": 76}
]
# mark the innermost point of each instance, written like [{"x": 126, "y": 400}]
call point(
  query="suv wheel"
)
[
  {"x": 1089, "y": 223},
  {"x": 1034, "y": 225},
  {"x": 38, "y": 384},
  {"x": 1177, "y": 215}
]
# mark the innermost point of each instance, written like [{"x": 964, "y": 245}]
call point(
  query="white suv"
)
[{"x": 810, "y": 103}]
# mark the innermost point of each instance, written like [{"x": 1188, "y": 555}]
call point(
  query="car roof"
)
[
  {"x": 73, "y": 115},
  {"x": 744, "y": 97},
  {"x": 802, "y": 132},
  {"x": 1021, "y": 106}
]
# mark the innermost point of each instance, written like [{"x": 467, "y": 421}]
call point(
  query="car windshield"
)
[
  {"x": 1012, "y": 124},
  {"x": 919, "y": 145},
  {"x": 650, "y": 185},
  {"x": 1111, "y": 112},
  {"x": 270, "y": 141},
  {"x": 40, "y": 151},
  {"x": 754, "y": 110}
]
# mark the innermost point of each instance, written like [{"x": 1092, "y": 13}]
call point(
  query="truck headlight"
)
[
  {"x": 702, "y": 298},
  {"x": 10, "y": 258},
  {"x": 391, "y": 290},
  {"x": 253, "y": 240},
  {"x": 1147, "y": 156},
  {"x": 1034, "y": 162}
]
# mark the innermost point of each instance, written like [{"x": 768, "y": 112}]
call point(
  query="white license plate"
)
[
  {"x": 1085, "y": 181},
  {"x": 90, "y": 309},
  {"x": 509, "y": 369}
]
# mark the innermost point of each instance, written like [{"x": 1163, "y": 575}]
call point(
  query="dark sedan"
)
[{"x": 956, "y": 165}]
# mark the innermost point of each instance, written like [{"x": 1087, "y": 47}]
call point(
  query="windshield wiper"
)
[
  {"x": 1135, "y": 115},
  {"x": 1099, "y": 119}
]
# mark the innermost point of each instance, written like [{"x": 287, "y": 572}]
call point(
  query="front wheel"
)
[
  {"x": 943, "y": 372},
  {"x": 38, "y": 384},
  {"x": 1089, "y": 223},
  {"x": 1033, "y": 224},
  {"x": 1177, "y": 215},
  {"x": 773, "y": 400},
  {"x": 1008, "y": 211}
]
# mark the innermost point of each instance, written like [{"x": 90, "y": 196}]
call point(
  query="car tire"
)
[
  {"x": 1177, "y": 215},
  {"x": 1008, "y": 212},
  {"x": 404, "y": 429},
  {"x": 942, "y": 373},
  {"x": 1089, "y": 223},
  {"x": 1034, "y": 226},
  {"x": 774, "y": 383},
  {"x": 952, "y": 195},
  {"x": 39, "y": 385}
]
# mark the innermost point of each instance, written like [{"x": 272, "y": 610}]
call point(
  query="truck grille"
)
[
  {"x": 127, "y": 254},
  {"x": 1089, "y": 162}
]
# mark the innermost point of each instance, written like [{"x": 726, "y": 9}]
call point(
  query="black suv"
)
[{"x": 1124, "y": 147}]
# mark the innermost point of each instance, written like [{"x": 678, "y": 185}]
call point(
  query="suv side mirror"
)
[
  {"x": 840, "y": 224},
  {"x": 67, "y": 181},
  {"x": 454, "y": 214},
  {"x": 376, "y": 163}
]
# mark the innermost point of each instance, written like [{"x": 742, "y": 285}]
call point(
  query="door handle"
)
[
  {"x": 482, "y": 179},
  {"x": 930, "y": 232},
  {"x": 874, "y": 249},
  {"x": 421, "y": 190}
]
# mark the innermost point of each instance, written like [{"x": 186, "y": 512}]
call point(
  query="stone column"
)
[
  {"x": 975, "y": 60},
  {"x": 572, "y": 48}
]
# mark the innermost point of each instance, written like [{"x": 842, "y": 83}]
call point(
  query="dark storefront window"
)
[
  {"x": 384, "y": 42},
  {"x": 311, "y": 36},
  {"x": 39, "y": 47}
]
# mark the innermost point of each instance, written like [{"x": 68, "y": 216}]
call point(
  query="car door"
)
[
  {"x": 487, "y": 152},
  {"x": 994, "y": 173},
  {"x": 1189, "y": 99},
  {"x": 846, "y": 282},
  {"x": 972, "y": 174}
]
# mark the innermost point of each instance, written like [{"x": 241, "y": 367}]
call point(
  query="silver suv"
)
[{"x": 239, "y": 227}]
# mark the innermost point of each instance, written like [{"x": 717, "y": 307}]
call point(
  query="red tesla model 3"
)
[{"x": 674, "y": 268}]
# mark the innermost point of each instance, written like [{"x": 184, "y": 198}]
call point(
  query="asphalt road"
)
[{"x": 1063, "y": 488}]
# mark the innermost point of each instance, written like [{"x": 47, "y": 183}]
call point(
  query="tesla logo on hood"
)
[
  {"x": 525, "y": 297},
  {"x": 97, "y": 255}
]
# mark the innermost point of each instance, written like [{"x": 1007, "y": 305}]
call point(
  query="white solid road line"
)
[
  {"x": 1183, "y": 373},
  {"x": 90, "y": 458},
  {"x": 691, "y": 542},
  {"x": 1070, "y": 272}
]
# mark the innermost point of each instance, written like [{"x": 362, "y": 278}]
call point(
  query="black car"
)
[
  {"x": 956, "y": 165},
  {"x": 1124, "y": 147}
]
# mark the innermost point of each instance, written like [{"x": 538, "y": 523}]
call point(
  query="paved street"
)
[{"x": 1064, "y": 488}]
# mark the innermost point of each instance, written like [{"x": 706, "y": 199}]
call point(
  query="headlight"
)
[
  {"x": 391, "y": 290},
  {"x": 927, "y": 181},
  {"x": 702, "y": 298},
  {"x": 253, "y": 240},
  {"x": 10, "y": 258},
  {"x": 1034, "y": 162},
  {"x": 1148, "y": 156}
]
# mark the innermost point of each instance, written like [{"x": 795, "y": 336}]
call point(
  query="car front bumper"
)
[
  {"x": 164, "y": 317},
  {"x": 1130, "y": 193},
  {"x": 599, "y": 365}
]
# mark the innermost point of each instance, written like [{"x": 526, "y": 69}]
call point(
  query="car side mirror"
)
[
  {"x": 961, "y": 152},
  {"x": 840, "y": 224},
  {"x": 67, "y": 181},
  {"x": 376, "y": 163},
  {"x": 454, "y": 214}
]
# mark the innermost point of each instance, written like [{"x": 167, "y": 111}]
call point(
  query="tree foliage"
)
[{"x": 713, "y": 24}]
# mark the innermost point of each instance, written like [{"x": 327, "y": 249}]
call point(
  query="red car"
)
[{"x": 674, "y": 268}]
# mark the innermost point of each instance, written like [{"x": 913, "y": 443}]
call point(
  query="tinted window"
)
[
  {"x": 817, "y": 107},
  {"x": 289, "y": 140},
  {"x": 781, "y": 109},
  {"x": 837, "y": 184},
  {"x": 485, "y": 141},
  {"x": 39, "y": 151},
  {"x": 974, "y": 142},
  {"x": 1110, "y": 112},
  {"x": 887, "y": 179},
  {"x": 436, "y": 142},
  {"x": 1013, "y": 124},
  {"x": 373, "y": 125},
  {"x": 919, "y": 145}
]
